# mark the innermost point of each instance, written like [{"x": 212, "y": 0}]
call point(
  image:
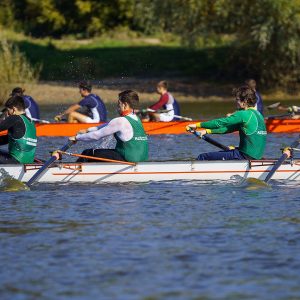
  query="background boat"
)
[{"x": 69, "y": 129}]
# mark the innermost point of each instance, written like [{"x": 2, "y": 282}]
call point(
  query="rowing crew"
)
[
  {"x": 132, "y": 141},
  {"x": 91, "y": 108}
]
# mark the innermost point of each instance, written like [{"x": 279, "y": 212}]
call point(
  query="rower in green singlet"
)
[
  {"x": 132, "y": 141},
  {"x": 21, "y": 137},
  {"x": 246, "y": 120}
]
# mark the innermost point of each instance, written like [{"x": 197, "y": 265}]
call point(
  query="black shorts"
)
[
  {"x": 6, "y": 158},
  {"x": 102, "y": 153}
]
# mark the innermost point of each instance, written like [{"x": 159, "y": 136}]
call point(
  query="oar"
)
[
  {"x": 279, "y": 116},
  {"x": 280, "y": 161},
  {"x": 98, "y": 158},
  {"x": 208, "y": 139},
  {"x": 175, "y": 116},
  {"x": 40, "y": 120},
  {"x": 274, "y": 105},
  {"x": 47, "y": 164}
]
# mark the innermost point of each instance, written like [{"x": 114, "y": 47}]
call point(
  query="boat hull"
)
[{"x": 154, "y": 171}]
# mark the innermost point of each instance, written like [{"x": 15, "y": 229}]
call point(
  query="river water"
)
[{"x": 152, "y": 241}]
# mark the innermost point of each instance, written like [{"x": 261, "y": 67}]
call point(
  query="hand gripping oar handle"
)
[
  {"x": 47, "y": 164},
  {"x": 210, "y": 140},
  {"x": 280, "y": 161}
]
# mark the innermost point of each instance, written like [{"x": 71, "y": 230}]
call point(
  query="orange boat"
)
[{"x": 69, "y": 129}]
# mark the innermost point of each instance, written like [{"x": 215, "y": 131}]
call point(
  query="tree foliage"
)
[{"x": 266, "y": 33}]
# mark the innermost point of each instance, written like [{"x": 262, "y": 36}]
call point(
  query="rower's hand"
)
[
  {"x": 287, "y": 151},
  {"x": 73, "y": 138},
  {"x": 58, "y": 118},
  {"x": 202, "y": 132},
  {"x": 82, "y": 131},
  {"x": 191, "y": 127}
]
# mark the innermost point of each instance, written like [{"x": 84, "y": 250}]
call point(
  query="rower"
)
[
  {"x": 132, "y": 141},
  {"x": 246, "y": 120},
  {"x": 21, "y": 137},
  {"x": 259, "y": 103},
  {"x": 166, "y": 103},
  {"x": 32, "y": 110},
  {"x": 96, "y": 110}
]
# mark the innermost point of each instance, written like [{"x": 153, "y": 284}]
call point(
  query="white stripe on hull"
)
[{"x": 154, "y": 171}]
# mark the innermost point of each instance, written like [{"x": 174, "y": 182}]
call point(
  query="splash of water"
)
[
  {"x": 249, "y": 183},
  {"x": 10, "y": 184}
]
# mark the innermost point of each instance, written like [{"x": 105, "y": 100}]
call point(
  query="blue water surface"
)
[{"x": 152, "y": 241}]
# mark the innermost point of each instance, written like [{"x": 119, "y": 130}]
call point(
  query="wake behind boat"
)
[{"x": 94, "y": 172}]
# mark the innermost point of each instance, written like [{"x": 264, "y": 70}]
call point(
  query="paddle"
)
[
  {"x": 280, "y": 161},
  {"x": 175, "y": 116},
  {"x": 47, "y": 164},
  {"x": 208, "y": 139}
]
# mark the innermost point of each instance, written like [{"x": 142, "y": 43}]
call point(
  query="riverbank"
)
[{"x": 185, "y": 90}]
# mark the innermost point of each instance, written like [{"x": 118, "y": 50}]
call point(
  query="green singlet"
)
[
  {"x": 251, "y": 127},
  {"x": 136, "y": 149},
  {"x": 23, "y": 149}
]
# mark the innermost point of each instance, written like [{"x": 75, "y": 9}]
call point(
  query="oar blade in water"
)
[
  {"x": 11, "y": 184},
  {"x": 255, "y": 184}
]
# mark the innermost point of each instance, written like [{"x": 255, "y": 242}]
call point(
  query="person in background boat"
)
[
  {"x": 246, "y": 120},
  {"x": 294, "y": 110},
  {"x": 21, "y": 137},
  {"x": 259, "y": 102},
  {"x": 166, "y": 104},
  {"x": 95, "y": 107},
  {"x": 132, "y": 141},
  {"x": 32, "y": 110}
]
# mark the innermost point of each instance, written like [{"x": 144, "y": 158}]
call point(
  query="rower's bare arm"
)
[
  {"x": 72, "y": 108},
  {"x": 85, "y": 130},
  {"x": 110, "y": 128}
]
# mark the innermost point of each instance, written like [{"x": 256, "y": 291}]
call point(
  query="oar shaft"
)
[
  {"x": 275, "y": 168},
  {"x": 210, "y": 140},
  {"x": 279, "y": 116},
  {"x": 165, "y": 111},
  {"x": 43, "y": 169},
  {"x": 280, "y": 161},
  {"x": 40, "y": 120},
  {"x": 99, "y": 158}
]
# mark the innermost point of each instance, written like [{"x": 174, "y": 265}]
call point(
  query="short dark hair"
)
[
  {"x": 245, "y": 94},
  {"x": 17, "y": 91},
  {"x": 163, "y": 84},
  {"x": 85, "y": 85},
  {"x": 130, "y": 97},
  {"x": 15, "y": 101}
]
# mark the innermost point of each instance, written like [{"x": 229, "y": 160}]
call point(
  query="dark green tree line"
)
[{"x": 265, "y": 33}]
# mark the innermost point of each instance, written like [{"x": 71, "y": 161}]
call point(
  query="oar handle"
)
[
  {"x": 52, "y": 159},
  {"x": 209, "y": 140}
]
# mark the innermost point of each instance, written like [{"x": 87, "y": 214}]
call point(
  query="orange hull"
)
[{"x": 69, "y": 129}]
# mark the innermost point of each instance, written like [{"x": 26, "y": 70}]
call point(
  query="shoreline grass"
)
[{"x": 114, "y": 64}]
